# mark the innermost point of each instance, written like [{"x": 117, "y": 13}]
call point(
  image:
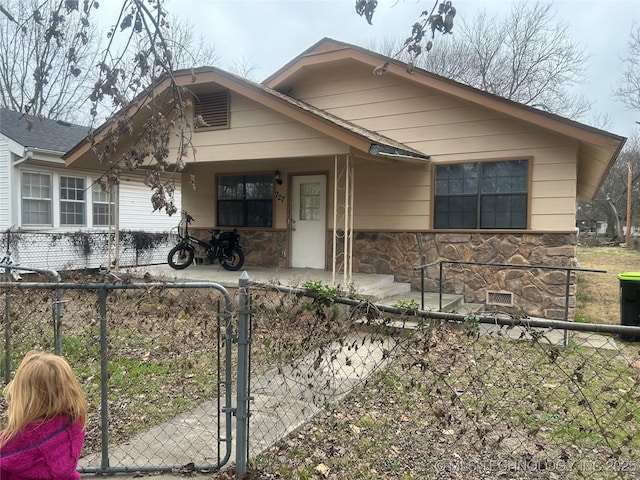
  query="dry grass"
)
[{"x": 598, "y": 296}]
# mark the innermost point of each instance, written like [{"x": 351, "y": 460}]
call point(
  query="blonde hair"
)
[{"x": 43, "y": 387}]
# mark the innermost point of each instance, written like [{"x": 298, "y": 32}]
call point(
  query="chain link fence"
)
[
  {"x": 339, "y": 387},
  {"x": 355, "y": 390},
  {"x": 151, "y": 358},
  {"x": 84, "y": 250}
]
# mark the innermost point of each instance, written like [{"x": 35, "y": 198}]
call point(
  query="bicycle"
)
[{"x": 223, "y": 247}]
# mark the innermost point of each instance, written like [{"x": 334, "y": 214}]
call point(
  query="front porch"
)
[{"x": 378, "y": 288}]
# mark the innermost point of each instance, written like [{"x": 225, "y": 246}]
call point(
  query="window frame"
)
[
  {"x": 519, "y": 214},
  {"x": 55, "y": 200},
  {"x": 244, "y": 202},
  {"x": 109, "y": 202},
  {"x": 45, "y": 200},
  {"x": 67, "y": 202}
]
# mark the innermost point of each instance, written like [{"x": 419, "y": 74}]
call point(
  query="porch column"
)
[{"x": 343, "y": 186}]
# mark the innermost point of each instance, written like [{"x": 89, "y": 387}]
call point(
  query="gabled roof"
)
[
  {"x": 597, "y": 149},
  {"x": 596, "y": 152},
  {"x": 328, "y": 50},
  {"x": 41, "y": 134},
  {"x": 347, "y": 132}
]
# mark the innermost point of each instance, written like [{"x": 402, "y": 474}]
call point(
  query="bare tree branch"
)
[{"x": 629, "y": 90}]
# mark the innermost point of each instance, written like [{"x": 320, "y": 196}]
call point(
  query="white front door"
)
[{"x": 308, "y": 221}]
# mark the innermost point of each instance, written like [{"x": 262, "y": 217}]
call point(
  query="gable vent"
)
[
  {"x": 501, "y": 298},
  {"x": 212, "y": 111}
]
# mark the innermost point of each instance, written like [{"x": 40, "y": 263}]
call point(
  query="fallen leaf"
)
[{"x": 323, "y": 470}]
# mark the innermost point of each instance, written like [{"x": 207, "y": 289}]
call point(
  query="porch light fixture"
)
[{"x": 277, "y": 176}]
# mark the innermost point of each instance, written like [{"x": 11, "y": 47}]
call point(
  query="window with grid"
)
[
  {"x": 102, "y": 206},
  {"x": 245, "y": 201},
  {"x": 36, "y": 199},
  {"x": 310, "y": 207},
  {"x": 72, "y": 201},
  {"x": 484, "y": 195}
]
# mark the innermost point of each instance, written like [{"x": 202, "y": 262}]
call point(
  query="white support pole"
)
[
  {"x": 335, "y": 220},
  {"x": 351, "y": 209}
]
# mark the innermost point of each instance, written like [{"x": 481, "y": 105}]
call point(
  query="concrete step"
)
[
  {"x": 450, "y": 302},
  {"x": 391, "y": 289}
]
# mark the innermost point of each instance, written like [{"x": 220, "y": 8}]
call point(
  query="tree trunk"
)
[{"x": 618, "y": 232}]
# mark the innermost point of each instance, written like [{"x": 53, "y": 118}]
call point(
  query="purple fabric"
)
[{"x": 43, "y": 451}]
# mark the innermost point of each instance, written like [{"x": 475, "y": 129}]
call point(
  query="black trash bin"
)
[{"x": 630, "y": 303}]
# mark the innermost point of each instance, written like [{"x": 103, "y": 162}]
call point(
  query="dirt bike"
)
[{"x": 223, "y": 247}]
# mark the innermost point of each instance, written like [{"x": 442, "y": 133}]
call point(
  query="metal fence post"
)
[
  {"x": 242, "y": 399},
  {"x": 7, "y": 335},
  {"x": 104, "y": 378},
  {"x": 57, "y": 316}
]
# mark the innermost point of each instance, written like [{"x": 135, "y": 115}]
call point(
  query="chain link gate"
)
[{"x": 155, "y": 361}]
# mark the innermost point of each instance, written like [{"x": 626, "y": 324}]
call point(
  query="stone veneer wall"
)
[{"x": 537, "y": 292}]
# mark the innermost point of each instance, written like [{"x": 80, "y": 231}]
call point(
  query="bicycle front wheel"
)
[{"x": 180, "y": 256}]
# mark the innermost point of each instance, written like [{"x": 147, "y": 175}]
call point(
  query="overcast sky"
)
[{"x": 269, "y": 33}]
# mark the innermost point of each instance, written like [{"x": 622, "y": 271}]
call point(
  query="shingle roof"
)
[{"x": 43, "y": 134}]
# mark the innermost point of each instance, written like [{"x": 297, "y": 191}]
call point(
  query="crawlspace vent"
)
[{"x": 501, "y": 298}]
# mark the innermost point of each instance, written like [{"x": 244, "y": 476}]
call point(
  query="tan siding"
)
[
  {"x": 551, "y": 223},
  {"x": 273, "y": 149},
  {"x": 591, "y": 169},
  {"x": 201, "y": 203},
  {"x": 392, "y": 222},
  {"x": 258, "y": 132},
  {"x": 487, "y": 145},
  {"x": 468, "y": 130},
  {"x": 392, "y": 196},
  {"x": 554, "y": 188},
  {"x": 552, "y": 206},
  {"x": 380, "y": 107},
  {"x": 446, "y": 117}
]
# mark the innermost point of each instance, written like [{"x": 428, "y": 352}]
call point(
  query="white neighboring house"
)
[{"x": 59, "y": 218}]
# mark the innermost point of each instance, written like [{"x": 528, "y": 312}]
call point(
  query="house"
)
[
  {"x": 54, "y": 217},
  {"x": 347, "y": 160}
]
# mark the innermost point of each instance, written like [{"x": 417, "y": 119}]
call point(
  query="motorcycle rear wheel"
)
[
  {"x": 180, "y": 256},
  {"x": 235, "y": 261}
]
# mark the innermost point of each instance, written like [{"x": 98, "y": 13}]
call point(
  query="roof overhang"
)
[
  {"x": 356, "y": 137},
  {"x": 589, "y": 138}
]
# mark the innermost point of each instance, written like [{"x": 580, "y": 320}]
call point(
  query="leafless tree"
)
[
  {"x": 188, "y": 51},
  {"x": 43, "y": 72},
  {"x": 142, "y": 69},
  {"x": 629, "y": 90},
  {"x": 526, "y": 56},
  {"x": 610, "y": 203},
  {"x": 244, "y": 66}
]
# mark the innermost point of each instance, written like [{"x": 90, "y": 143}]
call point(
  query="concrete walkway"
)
[
  {"x": 281, "y": 403},
  {"x": 273, "y": 414}
]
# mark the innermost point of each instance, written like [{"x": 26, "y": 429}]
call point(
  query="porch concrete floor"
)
[{"x": 291, "y": 277}]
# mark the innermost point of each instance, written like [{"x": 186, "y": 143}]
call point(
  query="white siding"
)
[
  {"x": 5, "y": 192},
  {"x": 136, "y": 211}
]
